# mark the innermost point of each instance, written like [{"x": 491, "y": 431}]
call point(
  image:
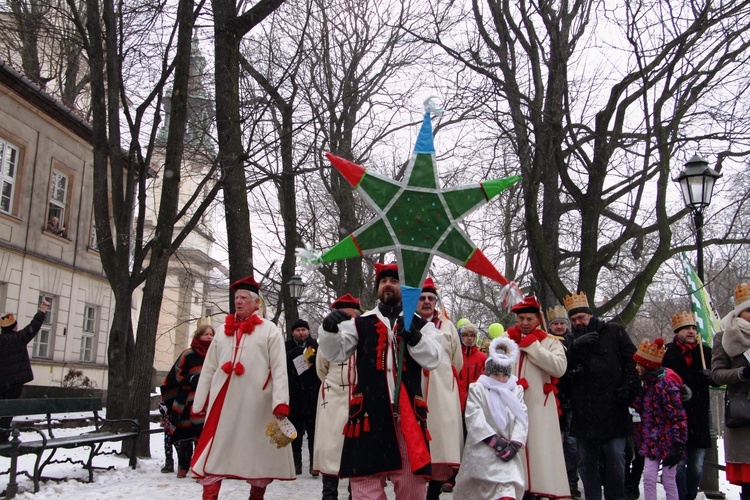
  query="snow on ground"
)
[{"x": 147, "y": 481}]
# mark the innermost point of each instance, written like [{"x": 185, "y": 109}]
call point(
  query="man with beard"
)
[
  {"x": 441, "y": 392},
  {"x": 384, "y": 438},
  {"x": 603, "y": 383}
]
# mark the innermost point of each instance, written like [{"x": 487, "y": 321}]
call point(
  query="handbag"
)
[{"x": 736, "y": 410}]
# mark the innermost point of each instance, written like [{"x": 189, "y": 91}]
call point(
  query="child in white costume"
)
[{"x": 497, "y": 425}]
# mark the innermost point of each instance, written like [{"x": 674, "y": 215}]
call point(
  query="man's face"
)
[
  {"x": 300, "y": 333},
  {"x": 389, "y": 291},
  {"x": 245, "y": 303},
  {"x": 426, "y": 306},
  {"x": 558, "y": 327},
  {"x": 745, "y": 314},
  {"x": 687, "y": 335},
  {"x": 527, "y": 322},
  {"x": 580, "y": 321},
  {"x": 469, "y": 338}
]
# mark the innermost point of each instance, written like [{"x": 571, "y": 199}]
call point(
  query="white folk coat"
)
[
  {"x": 240, "y": 447},
  {"x": 443, "y": 404},
  {"x": 483, "y": 475},
  {"x": 543, "y": 454},
  {"x": 332, "y": 413}
]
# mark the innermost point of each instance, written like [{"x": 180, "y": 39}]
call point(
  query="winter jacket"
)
[
  {"x": 303, "y": 388},
  {"x": 603, "y": 383},
  {"x": 663, "y": 420},
  {"x": 474, "y": 360},
  {"x": 178, "y": 392},
  {"x": 15, "y": 368},
  {"x": 698, "y": 405}
]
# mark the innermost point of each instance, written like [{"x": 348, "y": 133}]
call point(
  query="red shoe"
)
[
  {"x": 211, "y": 491},
  {"x": 182, "y": 473}
]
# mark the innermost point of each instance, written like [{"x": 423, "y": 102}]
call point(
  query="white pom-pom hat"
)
[{"x": 503, "y": 354}]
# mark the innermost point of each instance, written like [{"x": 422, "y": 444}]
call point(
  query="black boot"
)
[
  {"x": 434, "y": 489},
  {"x": 297, "y": 462},
  {"x": 330, "y": 487},
  {"x": 745, "y": 493}
]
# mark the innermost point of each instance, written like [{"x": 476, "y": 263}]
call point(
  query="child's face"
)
[
  {"x": 500, "y": 377},
  {"x": 642, "y": 370}
]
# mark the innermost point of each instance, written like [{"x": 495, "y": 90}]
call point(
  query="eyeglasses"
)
[{"x": 428, "y": 298}]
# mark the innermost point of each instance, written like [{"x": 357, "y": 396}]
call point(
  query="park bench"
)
[{"x": 105, "y": 430}]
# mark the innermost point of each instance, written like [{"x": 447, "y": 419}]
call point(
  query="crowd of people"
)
[{"x": 553, "y": 402}]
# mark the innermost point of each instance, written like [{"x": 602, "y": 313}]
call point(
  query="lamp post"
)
[
  {"x": 296, "y": 287},
  {"x": 697, "y": 185}
]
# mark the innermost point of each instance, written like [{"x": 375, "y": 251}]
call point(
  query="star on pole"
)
[{"x": 417, "y": 219}]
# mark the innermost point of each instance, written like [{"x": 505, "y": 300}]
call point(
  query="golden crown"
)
[
  {"x": 650, "y": 354},
  {"x": 681, "y": 319},
  {"x": 741, "y": 293},
  {"x": 555, "y": 313},
  {"x": 576, "y": 301},
  {"x": 7, "y": 319},
  {"x": 205, "y": 320}
]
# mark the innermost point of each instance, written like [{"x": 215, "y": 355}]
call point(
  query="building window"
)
[
  {"x": 89, "y": 334},
  {"x": 8, "y": 175},
  {"x": 58, "y": 197},
  {"x": 93, "y": 243},
  {"x": 43, "y": 339}
]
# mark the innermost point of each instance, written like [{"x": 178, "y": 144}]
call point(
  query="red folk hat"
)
[
  {"x": 385, "y": 270},
  {"x": 529, "y": 304},
  {"x": 429, "y": 286},
  {"x": 246, "y": 283},
  {"x": 346, "y": 301}
]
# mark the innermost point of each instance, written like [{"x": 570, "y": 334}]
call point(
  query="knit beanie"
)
[{"x": 300, "y": 323}]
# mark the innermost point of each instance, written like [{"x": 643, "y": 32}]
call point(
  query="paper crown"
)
[
  {"x": 528, "y": 304},
  {"x": 557, "y": 313},
  {"x": 246, "y": 283},
  {"x": 7, "y": 319},
  {"x": 576, "y": 301},
  {"x": 205, "y": 320},
  {"x": 650, "y": 354},
  {"x": 281, "y": 432},
  {"x": 681, "y": 319},
  {"x": 742, "y": 294},
  {"x": 429, "y": 286},
  {"x": 346, "y": 301}
]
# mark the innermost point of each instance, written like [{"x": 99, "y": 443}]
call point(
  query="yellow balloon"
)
[
  {"x": 461, "y": 322},
  {"x": 495, "y": 330}
]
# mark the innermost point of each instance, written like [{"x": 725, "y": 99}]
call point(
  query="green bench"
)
[{"x": 105, "y": 431}]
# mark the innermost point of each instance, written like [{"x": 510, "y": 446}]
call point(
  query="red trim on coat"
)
[{"x": 416, "y": 448}]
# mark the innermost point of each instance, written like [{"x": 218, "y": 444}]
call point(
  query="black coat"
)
[
  {"x": 602, "y": 382},
  {"x": 303, "y": 389},
  {"x": 698, "y": 405},
  {"x": 15, "y": 367}
]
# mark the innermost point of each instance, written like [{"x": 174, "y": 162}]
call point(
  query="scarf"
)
[
  {"x": 200, "y": 347},
  {"x": 245, "y": 326},
  {"x": 502, "y": 400},
  {"x": 687, "y": 350},
  {"x": 736, "y": 338}
]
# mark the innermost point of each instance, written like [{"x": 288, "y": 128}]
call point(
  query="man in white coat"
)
[
  {"x": 242, "y": 388},
  {"x": 440, "y": 388}
]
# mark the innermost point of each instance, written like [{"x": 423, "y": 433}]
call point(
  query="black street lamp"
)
[
  {"x": 697, "y": 185},
  {"x": 296, "y": 287}
]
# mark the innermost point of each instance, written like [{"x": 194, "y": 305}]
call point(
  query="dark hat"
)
[
  {"x": 8, "y": 322},
  {"x": 300, "y": 323},
  {"x": 529, "y": 304},
  {"x": 346, "y": 301},
  {"x": 246, "y": 283},
  {"x": 385, "y": 270},
  {"x": 429, "y": 286}
]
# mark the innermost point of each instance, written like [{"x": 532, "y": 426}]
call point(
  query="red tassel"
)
[
  {"x": 227, "y": 367},
  {"x": 239, "y": 368},
  {"x": 357, "y": 429},
  {"x": 346, "y": 429},
  {"x": 350, "y": 430},
  {"x": 367, "y": 423}
]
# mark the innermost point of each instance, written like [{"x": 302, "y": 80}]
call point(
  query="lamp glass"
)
[{"x": 296, "y": 286}]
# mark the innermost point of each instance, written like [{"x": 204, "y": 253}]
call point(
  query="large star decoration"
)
[{"x": 417, "y": 219}]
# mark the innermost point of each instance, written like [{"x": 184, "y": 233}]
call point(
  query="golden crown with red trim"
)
[
  {"x": 650, "y": 354},
  {"x": 742, "y": 293},
  {"x": 681, "y": 319},
  {"x": 576, "y": 301}
]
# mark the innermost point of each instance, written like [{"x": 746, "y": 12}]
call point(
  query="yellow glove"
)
[{"x": 309, "y": 353}]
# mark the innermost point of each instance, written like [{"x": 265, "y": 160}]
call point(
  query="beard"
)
[{"x": 390, "y": 296}]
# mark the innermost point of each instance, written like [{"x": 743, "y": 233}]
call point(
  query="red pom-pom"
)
[
  {"x": 239, "y": 368},
  {"x": 227, "y": 367},
  {"x": 659, "y": 342},
  {"x": 523, "y": 383}
]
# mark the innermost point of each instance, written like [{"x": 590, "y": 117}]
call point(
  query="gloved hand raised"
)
[
  {"x": 510, "y": 451},
  {"x": 587, "y": 339},
  {"x": 674, "y": 456},
  {"x": 414, "y": 334},
  {"x": 331, "y": 322}
]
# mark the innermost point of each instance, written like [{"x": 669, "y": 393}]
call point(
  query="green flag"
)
[{"x": 706, "y": 318}]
